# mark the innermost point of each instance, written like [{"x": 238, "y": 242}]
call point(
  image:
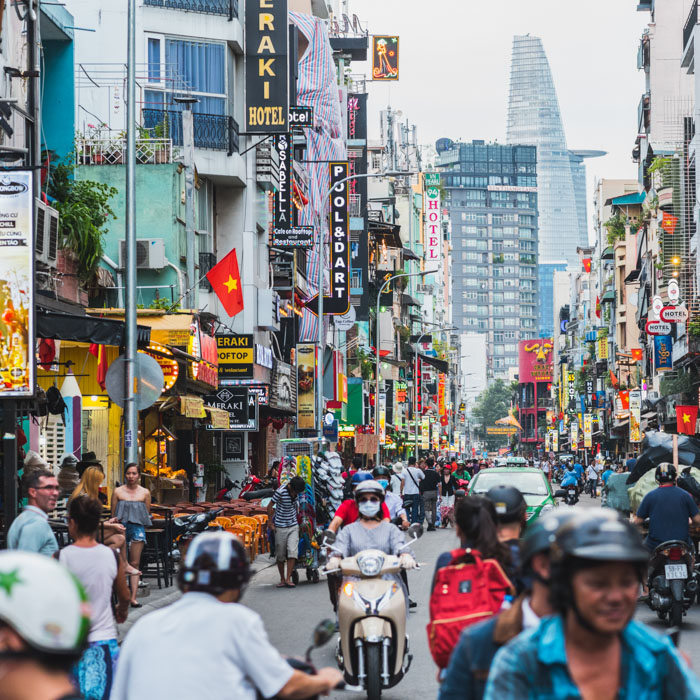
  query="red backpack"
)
[{"x": 468, "y": 590}]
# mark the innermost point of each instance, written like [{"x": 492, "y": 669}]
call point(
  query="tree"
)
[{"x": 493, "y": 403}]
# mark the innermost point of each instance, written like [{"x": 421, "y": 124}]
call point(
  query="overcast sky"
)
[{"x": 455, "y": 69}]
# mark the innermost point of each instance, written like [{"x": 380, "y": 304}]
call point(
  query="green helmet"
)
[{"x": 43, "y": 602}]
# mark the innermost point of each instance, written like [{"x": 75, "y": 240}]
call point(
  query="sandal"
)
[
  {"x": 281, "y": 584},
  {"x": 136, "y": 605}
]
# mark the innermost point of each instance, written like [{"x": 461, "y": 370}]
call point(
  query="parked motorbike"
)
[
  {"x": 187, "y": 527},
  {"x": 569, "y": 494},
  {"x": 372, "y": 648},
  {"x": 672, "y": 583}
]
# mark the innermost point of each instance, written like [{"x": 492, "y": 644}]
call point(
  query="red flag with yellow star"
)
[
  {"x": 225, "y": 279},
  {"x": 686, "y": 418}
]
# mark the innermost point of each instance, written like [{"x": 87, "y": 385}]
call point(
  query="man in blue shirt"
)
[
  {"x": 578, "y": 468},
  {"x": 30, "y": 531},
  {"x": 592, "y": 648},
  {"x": 570, "y": 477},
  {"x": 669, "y": 510}
]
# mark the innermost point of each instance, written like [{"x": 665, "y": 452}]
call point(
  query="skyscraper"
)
[{"x": 534, "y": 118}]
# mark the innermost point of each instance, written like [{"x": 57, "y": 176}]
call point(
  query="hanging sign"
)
[
  {"x": 17, "y": 339},
  {"x": 266, "y": 67},
  {"x": 203, "y": 346},
  {"x": 674, "y": 314},
  {"x": 663, "y": 355},
  {"x": 385, "y": 58},
  {"x": 425, "y": 433},
  {"x": 433, "y": 225},
  {"x": 339, "y": 301},
  {"x": 165, "y": 358},
  {"x": 306, "y": 384},
  {"x": 236, "y": 357},
  {"x": 301, "y": 116},
  {"x": 573, "y": 435},
  {"x": 382, "y": 419},
  {"x": 603, "y": 347},
  {"x": 673, "y": 291},
  {"x": 635, "y": 415},
  {"x": 555, "y": 441},
  {"x": 242, "y": 407},
  {"x": 588, "y": 430},
  {"x": 657, "y": 328},
  {"x": 657, "y": 304}
]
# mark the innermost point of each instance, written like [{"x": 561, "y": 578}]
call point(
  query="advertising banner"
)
[
  {"x": 17, "y": 338},
  {"x": 433, "y": 222},
  {"x": 535, "y": 360},
  {"x": 573, "y": 435},
  {"x": 425, "y": 433},
  {"x": 436, "y": 434},
  {"x": 635, "y": 415},
  {"x": 306, "y": 385},
  {"x": 382, "y": 419},
  {"x": 266, "y": 67},
  {"x": 663, "y": 356},
  {"x": 441, "y": 395},
  {"x": 555, "y": 441},
  {"x": 588, "y": 430},
  {"x": 603, "y": 347},
  {"x": 547, "y": 440},
  {"x": 385, "y": 58},
  {"x": 236, "y": 356},
  {"x": 242, "y": 407}
]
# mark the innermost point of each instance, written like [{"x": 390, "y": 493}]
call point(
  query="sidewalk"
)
[{"x": 156, "y": 598}]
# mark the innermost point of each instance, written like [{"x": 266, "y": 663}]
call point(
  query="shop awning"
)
[
  {"x": 408, "y": 300},
  {"x": 408, "y": 254},
  {"x": 55, "y": 325},
  {"x": 386, "y": 233},
  {"x": 627, "y": 199},
  {"x": 440, "y": 365}
]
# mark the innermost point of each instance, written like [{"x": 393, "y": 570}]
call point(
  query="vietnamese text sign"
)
[
  {"x": 573, "y": 435},
  {"x": 588, "y": 430},
  {"x": 17, "y": 284},
  {"x": 555, "y": 441},
  {"x": 501, "y": 430},
  {"x": 433, "y": 225},
  {"x": 385, "y": 58},
  {"x": 425, "y": 433},
  {"x": 235, "y": 356},
  {"x": 635, "y": 415},
  {"x": 266, "y": 67},
  {"x": 306, "y": 384}
]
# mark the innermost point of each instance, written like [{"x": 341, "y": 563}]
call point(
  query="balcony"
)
[
  {"x": 689, "y": 27},
  {"x": 356, "y": 281},
  {"x": 206, "y": 262},
  {"x": 225, "y": 8},
  {"x": 211, "y": 131},
  {"x": 644, "y": 114},
  {"x": 98, "y": 151}
]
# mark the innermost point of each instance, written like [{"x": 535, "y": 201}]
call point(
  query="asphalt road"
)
[{"x": 290, "y": 616}]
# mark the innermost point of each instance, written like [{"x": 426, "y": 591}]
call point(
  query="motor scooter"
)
[
  {"x": 569, "y": 494},
  {"x": 672, "y": 582},
  {"x": 373, "y": 647},
  {"x": 187, "y": 527}
]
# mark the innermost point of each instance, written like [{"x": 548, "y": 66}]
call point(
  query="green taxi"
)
[{"x": 531, "y": 482}]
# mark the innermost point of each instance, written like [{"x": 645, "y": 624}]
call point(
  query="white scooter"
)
[{"x": 372, "y": 648}]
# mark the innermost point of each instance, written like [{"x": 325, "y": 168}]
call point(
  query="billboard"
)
[
  {"x": 306, "y": 385},
  {"x": 663, "y": 356},
  {"x": 433, "y": 222},
  {"x": 17, "y": 338},
  {"x": 588, "y": 430},
  {"x": 535, "y": 360},
  {"x": 385, "y": 58},
  {"x": 425, "y": 433}
]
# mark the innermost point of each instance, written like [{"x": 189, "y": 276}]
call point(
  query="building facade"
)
[{"x": 492, "y": 201}]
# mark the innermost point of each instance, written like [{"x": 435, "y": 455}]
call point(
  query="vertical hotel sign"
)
[
  {"x": 16, "y": 284},
  {"x": 266, "y": 72},
  {"x": 433, "y": 234},
  {"x": 306, "y": 384}
]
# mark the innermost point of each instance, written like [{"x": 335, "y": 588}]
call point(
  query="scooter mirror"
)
[
  {"x": 328, "y": 536},
  {"x": 415, "y": 530},
  {"x": 323, "y": 633}
]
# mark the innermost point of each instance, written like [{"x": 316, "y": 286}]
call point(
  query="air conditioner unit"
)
[
  {"x": 46, "y": 233},
  {"x": 150, "y": 254}
]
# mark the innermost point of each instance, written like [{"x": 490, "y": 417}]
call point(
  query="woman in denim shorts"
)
[{"x": 131, "y": 505}]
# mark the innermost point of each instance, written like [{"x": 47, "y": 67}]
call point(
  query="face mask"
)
[
  {"x": 383, "y": 482},
  {"x": 369, "y": 509}
]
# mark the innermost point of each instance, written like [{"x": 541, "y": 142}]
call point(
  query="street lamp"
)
[
  {"x": 415, "y": 377},
  {"x": 321, "y": 243},
  {"x": 377, "y": 349}
]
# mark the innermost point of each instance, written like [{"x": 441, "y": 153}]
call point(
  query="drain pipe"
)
[
  {"x": 180, "y": 281},
  {"x": 115, "y": 267}
]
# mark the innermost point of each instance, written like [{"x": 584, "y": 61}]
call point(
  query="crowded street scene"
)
[{"x": 349, "y": 349}]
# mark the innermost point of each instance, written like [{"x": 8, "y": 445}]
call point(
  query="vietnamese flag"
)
[
  {"x": 668, "y": 223},
  {"x": 614, "y": 380},
  {"x": 225, "y": 279},
  {"x": 625, "y": 399},
  {"x": 99, "y": 352},
  {"x": 686, "y": 418},
  {"x": 587, "y": 264},
  {"x": 637, "y": 354}
]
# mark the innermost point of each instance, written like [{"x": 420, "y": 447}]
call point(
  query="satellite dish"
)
[
  {"x": 148, "y": 377},
  {"x": 345, "y": 322}
]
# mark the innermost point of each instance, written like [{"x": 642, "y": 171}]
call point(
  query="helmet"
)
[
  {"x": 215, "y": 562},
  {"x": 359, "y": 477},
  {"x": 665, "y": 473},
  {"x": 370, "y": 487},
  {"x": 599, "y": 534},
  {"x": 509, "y": 503},
  {"x": 539, "y": 535},
  {"x": 397, "y": 468},
  {"x": 381, "y": 471},
  {"x": 44, "y": 603}
]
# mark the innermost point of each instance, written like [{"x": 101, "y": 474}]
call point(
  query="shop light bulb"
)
[{"x": 676, "y": 261}]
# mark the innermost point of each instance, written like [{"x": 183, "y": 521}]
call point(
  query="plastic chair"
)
[
  {"x": 254, "y": 524},
  {"x": 223, "y": 521},
  {"x": 245, "y": 535},
  {"x": 262, "y": 519}
]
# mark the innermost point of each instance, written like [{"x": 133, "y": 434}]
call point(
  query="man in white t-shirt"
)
[
  {"x": 592, "y": 476},
  {"x": 411, "y": 477},
  {"x": 207, "y": 645}
]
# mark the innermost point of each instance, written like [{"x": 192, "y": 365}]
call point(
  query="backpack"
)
[{"x": 468, "y": 590}]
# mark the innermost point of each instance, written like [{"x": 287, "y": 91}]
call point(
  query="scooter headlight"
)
[{"x": 370, "y": 564}]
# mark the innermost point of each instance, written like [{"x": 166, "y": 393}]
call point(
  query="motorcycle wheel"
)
[
  {"x": 295, "y": 577},
  {"x": 373, "y": 668},
  {"x": 676, "y": 615}
]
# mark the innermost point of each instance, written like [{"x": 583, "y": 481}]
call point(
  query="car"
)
[{"x": 532, "y": 483}]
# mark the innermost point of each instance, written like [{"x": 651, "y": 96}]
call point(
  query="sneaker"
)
[
  {"x": 412, "y": 604},
  {"x": 431, "y": 528}
]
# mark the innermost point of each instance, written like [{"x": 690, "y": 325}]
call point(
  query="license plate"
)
[
  {"x": 675, "y": 571},
  {"x": 572, "y": 492}
]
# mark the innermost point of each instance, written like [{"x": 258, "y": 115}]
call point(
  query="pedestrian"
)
[
  {"x": 592, "y": 477},
  {"x": 547, "y": 469},
  {"x": 208, "y": 645},
  {"x": 616, "y": 493},
  {"x": 44, "y": 624},
  {"x": 591, "y": 647},
  {"x": 410, "y": 490},
  {"x": 102, "y": 573},
  {"x": 131, "y": 506},
  {"x": 578, "y": 468},
  {"x": 447, "y": 488},
  {"x": 30, "y": 530},
  {"x": 283, "y": 519},
  {"x": 396, "y": 478},
  {"x": 511, "y": 516},
  {"x": 465, "y": 677},
  {"x": 429, "y": 492}
]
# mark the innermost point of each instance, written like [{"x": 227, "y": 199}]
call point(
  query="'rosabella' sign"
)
[{"x": 433, "y": 222}]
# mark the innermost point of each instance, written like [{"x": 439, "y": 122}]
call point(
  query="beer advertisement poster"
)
[{"x": 306, "y": 384}]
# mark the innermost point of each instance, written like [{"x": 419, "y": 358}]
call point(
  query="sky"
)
[{"x": 455, "y": 69}]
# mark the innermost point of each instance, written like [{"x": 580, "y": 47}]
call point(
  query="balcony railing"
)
[
  {"x": 690, "y": 24},
  {"x": 227, "y": 8},
  {"x": 217, "y": 132},
  {"x": 93, "y": 151}
]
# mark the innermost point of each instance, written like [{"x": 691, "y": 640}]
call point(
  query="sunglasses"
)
[
  {"x": 369, "y": 499},
  {"x": 47, "y": 488}
]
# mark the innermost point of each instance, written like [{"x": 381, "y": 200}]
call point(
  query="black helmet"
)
[
  {"x": 382, "y": 472},
  {"x": 509, "y": 503},
  {"x": 215, "y": 562},
  {"x": 540, "y": 534},
  {"x": 600, "y": 535},
  {"x": 665, "y": 473}
]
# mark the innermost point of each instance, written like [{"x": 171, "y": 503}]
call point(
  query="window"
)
[
  {"x": 481, "y": 245},
  {"x": 154, "y": 54},
  {"x": 498, "y": 298},
  {"x": 498, "y": 337},
  {"x": 509, "y": 296}
]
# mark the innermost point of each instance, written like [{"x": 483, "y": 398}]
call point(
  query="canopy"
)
[{"x": 55, "y": 325}]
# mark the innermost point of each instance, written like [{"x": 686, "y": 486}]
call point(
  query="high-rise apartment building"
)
[
  {"x": 534, "y": 118},
  {"x": 491, "y": 195}
]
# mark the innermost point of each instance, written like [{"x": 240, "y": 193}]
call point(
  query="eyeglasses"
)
[
  {"x": 47, "y": 488},
  {"x": 369, "y": 499}
]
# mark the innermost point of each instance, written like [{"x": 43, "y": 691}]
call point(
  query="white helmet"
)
[
  {"x": 369, "y": 486},
  {"x": 43, "y": 602}
]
